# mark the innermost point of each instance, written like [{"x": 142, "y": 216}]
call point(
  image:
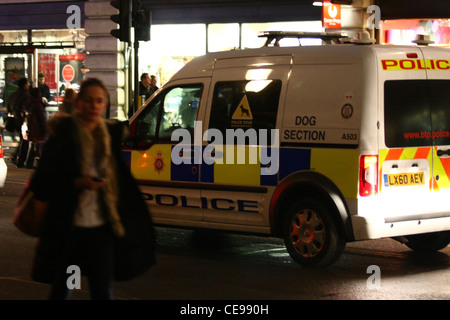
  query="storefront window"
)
[
  {"x": 224, "y": 36},
  {"x": 62, "y": 47},
  {"x": 405, "y": 31},
  {"x": 170, "y": 48}
]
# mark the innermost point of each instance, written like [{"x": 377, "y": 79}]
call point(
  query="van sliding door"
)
[{"x": 247, "y": 94}]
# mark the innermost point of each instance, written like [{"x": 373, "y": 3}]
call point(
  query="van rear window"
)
[{"x": 416, "y": 113}]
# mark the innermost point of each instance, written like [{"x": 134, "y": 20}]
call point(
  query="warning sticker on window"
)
[{"x": 242, "y": 116}]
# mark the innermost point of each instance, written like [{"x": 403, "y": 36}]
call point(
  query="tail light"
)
[
  {"x": 368, "y": 175},
  {"x": 1, "y": 147}
]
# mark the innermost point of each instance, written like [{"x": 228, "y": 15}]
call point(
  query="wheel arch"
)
[{"x": 311, "y": 184}]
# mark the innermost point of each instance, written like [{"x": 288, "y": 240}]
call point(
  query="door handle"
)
[{"x": 440, "y": 153}]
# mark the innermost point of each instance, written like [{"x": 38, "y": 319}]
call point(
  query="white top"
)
[{"x": 89, "y": 214}]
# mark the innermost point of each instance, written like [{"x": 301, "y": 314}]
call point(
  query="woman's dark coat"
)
[
  {"x": 37, "y": 123},
  {"x": 54, "y": 181}
]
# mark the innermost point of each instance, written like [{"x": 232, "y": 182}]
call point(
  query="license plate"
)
[{"x": 404, "y": 179}]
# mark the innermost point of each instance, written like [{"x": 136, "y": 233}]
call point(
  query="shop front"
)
[
  {"x": 172, "y": 46},
  {"x": 405, "y": 31},
  {"x": 35, "y": 54},
  {"x": 42, "y": 37}
]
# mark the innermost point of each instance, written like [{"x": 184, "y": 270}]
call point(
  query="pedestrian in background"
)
[
  {"x": 37, "y": 126},
  {"x": 43, "y": 88},
  {"x": 153, "y": 86},
  {"x": 145, "y": 86},
  {"x": 97, "y": 219},
  {"x": 67, "y": 105},
  {"x": 16, "y": 105}
]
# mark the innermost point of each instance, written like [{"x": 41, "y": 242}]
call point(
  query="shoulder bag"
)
[{"x": 29, "y": 213}]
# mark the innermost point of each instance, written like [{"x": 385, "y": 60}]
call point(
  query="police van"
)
[{"x": 317, "y": 145}]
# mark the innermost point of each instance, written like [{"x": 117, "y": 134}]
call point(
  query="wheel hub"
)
[{"x": 307, "y": 233}]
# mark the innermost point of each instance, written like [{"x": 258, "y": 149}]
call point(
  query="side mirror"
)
[{"x": 136, "y": 138}]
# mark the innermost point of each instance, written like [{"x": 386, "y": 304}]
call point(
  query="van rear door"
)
[
  {"x": 438, "y": 75},
  {"x": 405, "y": 150}
]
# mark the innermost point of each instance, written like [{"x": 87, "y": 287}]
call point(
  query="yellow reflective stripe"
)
[
  {"x": 231, "y": 172},
  {"x": 382, "y": 154},
  {"x": 408, "y": 153},
  {"x": 152, "y": 164},
  {"x": 341, "y": 166}
]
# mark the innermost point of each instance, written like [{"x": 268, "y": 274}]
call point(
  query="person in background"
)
[
  {"x": 43, "y": 88},
  {"x": 16, "y": 105},
  {"x": 97, "y": 219},
  {"x": 145, "y": 86},
  {"x": 37, "y": 126},
  {"x": 153, "y": 86},
  {"x": 67, "y": 105}
]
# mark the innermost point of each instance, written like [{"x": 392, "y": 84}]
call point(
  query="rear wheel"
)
[
  {"x": 310, "y": 234},
  {"x": 428, "y": 242}
]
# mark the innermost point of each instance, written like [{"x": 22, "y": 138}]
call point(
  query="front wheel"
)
[
  {"x": 310, "y": 234},
  {"x": 428, "y": 242}
]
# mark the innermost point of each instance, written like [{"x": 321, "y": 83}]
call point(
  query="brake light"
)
[
  {"x": 368, "y": 175},
  {"x": 1, "y": 147}
]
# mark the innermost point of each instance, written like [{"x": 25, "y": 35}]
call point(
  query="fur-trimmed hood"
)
[{"x": 97, "y": 145}]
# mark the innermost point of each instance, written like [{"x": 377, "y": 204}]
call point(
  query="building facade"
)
[{"x": 70, "y": 40}]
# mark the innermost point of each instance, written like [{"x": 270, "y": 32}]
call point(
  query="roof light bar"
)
[{"x": 327, "y": 37}]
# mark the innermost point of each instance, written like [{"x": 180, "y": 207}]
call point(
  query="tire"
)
[
  {"x": 428, "y": 242},
  {"x": 310, "y": 234}
]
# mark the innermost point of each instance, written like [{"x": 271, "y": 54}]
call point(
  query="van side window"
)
[
  {"x": 147, "y": 122},
  {"x": 416, "y": 112},
  {"x": 245, "y": 104},
  {"x": 173, "y": 108}
]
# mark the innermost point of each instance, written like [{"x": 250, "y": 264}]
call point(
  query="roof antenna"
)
[
  {"x": 363, "y": 38},
  {"x": 423, "y": 40}
]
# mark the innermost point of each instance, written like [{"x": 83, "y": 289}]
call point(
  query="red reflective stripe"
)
[
  {"x": 435, "y": 185},
  {"x": 446, "y": 164},
  {"x": 394, "y": 154},
  {"x": 422, "y": 153}
]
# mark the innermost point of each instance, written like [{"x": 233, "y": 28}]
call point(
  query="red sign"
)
[
  {"x": 68, "y": 73},
  {"x": 47, "y": 66},
  {"x": 331, "y": 15},
  {"x": 68, "y": 57}
]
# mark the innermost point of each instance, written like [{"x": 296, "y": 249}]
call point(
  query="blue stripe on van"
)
[
  {"x": 188, "y": 172},
  {"x": 207, "y": 172},
  {"x": 292, "y": 160},
  {"x": 184, "y": 172}
]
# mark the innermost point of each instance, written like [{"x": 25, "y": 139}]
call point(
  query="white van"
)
[{"x": 352, "y": 142}]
